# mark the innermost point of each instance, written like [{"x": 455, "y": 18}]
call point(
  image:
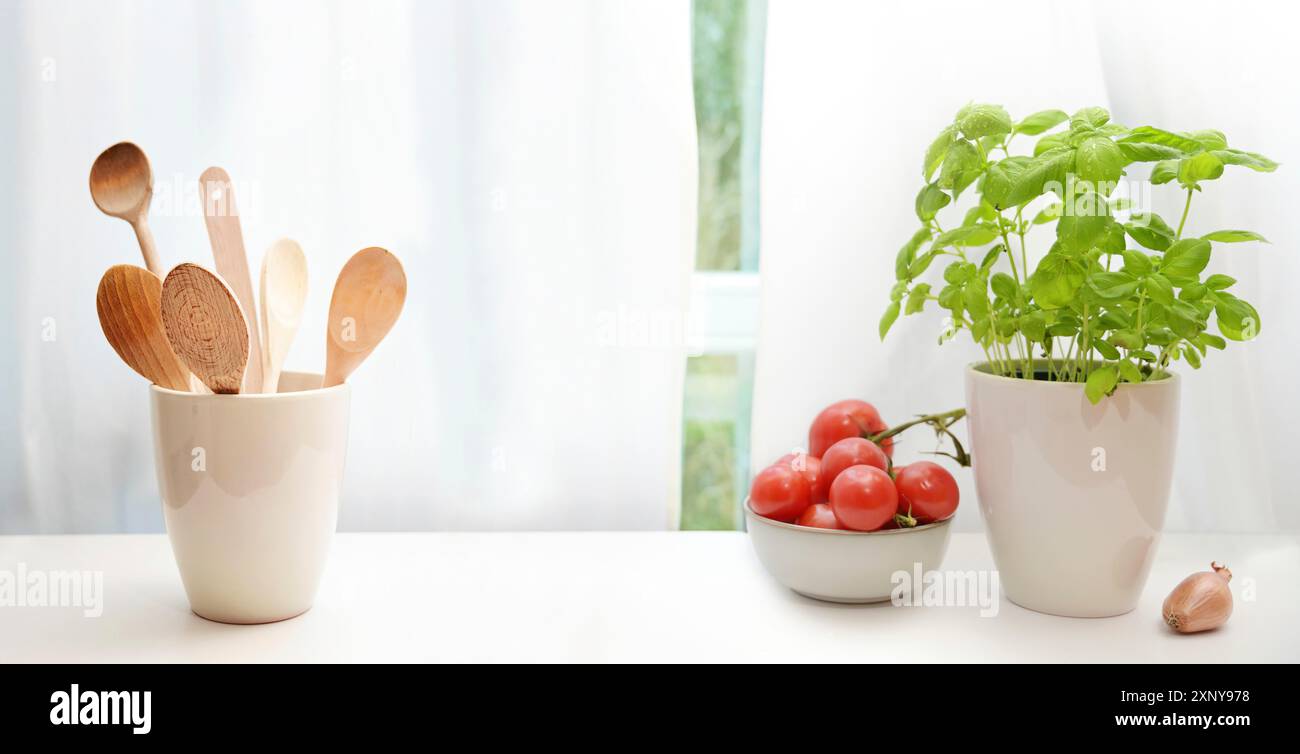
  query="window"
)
[{"x": 727, "y": 47}]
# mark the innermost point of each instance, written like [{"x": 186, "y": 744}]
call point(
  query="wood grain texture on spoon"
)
[
  {"x": 283, "y": 293},
  {"x": 206, "y": 327},
  {"x": 368, "y": 297},
  {"x": 129, "y": 305},
  {"x": 121, "y": 185},
  {"x": 221, "y": 216}
]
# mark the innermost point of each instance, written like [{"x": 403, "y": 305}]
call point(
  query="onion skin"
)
[{"x": 1200, "y": 602}]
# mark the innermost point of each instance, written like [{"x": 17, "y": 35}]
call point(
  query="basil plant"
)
[{"x": 1119, "y": 293}]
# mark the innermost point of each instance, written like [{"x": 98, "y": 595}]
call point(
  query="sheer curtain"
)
[
  {"x": 533, "y": 164},
  {"x": 854, "y": 94}
]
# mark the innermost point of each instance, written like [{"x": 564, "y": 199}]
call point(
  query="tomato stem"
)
[{"x": 941, "y": 423}]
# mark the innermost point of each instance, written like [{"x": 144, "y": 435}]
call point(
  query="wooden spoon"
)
[
  {"x": 128, "y": 301},
  {"x": 222, "y": 219},
  {"x": 205, "y": 326},
  {"x": 283, "y": 292},
  {"x": 121, "y": 185},
  {"x": 368, "y": 297}
]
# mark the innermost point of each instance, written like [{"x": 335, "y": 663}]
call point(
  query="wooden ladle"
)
[
  {"x": 367, "y": 300},
  {"x": 205, "y": 326},
  {"x": 283, "y": 293},
  {"x": 121, "y": 185},
  {"x": 128, "y": 301}
]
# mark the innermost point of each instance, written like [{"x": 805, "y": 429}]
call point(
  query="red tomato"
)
[
  {"x": 863, "y": 498},
  {"x": 851, "y": 451},
  {"x": 928, "y": 490},
  {"x": 780, "y": 493},
  {"x": 819, "y": 516},
  {"x": 811, "y": 467},
  {"x": 850, "y": 418}
]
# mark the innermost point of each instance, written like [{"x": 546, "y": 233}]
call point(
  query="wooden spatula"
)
[
  {"x": 205, "y": 326},
  {"x": 368, "y": 297},
  {"x": 284, "y": 290},
  {"x": 222, "y": 219},
  {"x": 128, "y": 301}
]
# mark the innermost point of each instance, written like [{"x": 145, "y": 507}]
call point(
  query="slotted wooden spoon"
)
[
  {"x": 205, "y": 326},
  {"x": 368, "y": 297},
  {"x": 130, "y": 314}
]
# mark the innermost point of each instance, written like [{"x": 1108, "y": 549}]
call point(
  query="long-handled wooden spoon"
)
[
  {"x": 368, "y": 297},
  {"x": 128, "y": 301},
  {"x": 222, "y": 219},
  {"x": 205, "y": 326},
  {"x": 283, "y": 292},
  {"x": 121, "y": 184}
]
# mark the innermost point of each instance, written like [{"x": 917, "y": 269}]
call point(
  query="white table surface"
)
[{"x": 669, "y": 596}]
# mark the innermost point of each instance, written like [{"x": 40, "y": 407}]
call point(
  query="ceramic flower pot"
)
[
  {"x": 250, "y": 489},
  {"x": 1073, "y": 494}
]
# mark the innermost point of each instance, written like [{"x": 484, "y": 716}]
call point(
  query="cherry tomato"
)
[
  {"x": 849, "y": 418},
  {"x": 819, "y": 516},
  {"x": 851, "y": 451},
  {"x": 811, "y": 467},
  {"x": 780, "y": 493},
  {"x": 863, "y": 498},
  {"x": 928, "y": 490}
]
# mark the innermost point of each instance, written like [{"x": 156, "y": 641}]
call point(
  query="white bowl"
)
[{"x": 844, "y": 566}]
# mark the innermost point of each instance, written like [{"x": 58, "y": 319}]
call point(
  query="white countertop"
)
[{"x": 665, "y": 596}]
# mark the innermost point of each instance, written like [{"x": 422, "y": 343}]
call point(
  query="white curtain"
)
[
  {"x": 533, "y": 165},
  {"x": 854, "y": 94}
]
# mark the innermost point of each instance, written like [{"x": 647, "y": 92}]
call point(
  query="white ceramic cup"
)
[{"x": 250, "y": 489}]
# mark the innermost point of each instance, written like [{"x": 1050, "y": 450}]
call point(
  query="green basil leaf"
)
[
  {"x": 1085, "y": 222},
  {"x": 907, "y": 254},
  {"x": 1052, "y": 142},
  {"x": 1186, "y": 258},
  {"x": 1100, "y": 161},
  {"x": 991, "y": 258},
  {"x": 1056, "y": 280},
  {"x": 961, "y": 166},
  {"x": 1150, "y": 230},
  {"x": 1143, "y": 152},
  {"x": 1041, "y": 121},
  {"x": 1208, "y": 138},
  {"x": 1252, "y": 160},
  {"x": 1150, "y": 135},
  {"x": 1211, "y": 341},
  {"x": 1049, "y": 169},
  {"x": 1218, "y": 282},
  {"x": 920, "y": 265},
  {"x": 887, "y": 320},
  {"x": 1129, "y": 371},
  {"x": 1089, "y": 117},
  {"x": 1159, "y": 289},
  {"x": 929, "y": 201},
  {"x": 1127, "y": 339},
  {"x": 1113, "y": 285},
  {"x": 1201, "y": 167},
  {"x": 1234, "y": 236},
  {"x": 1004, "y": 286},
  {"x": 937, "y": 151},
  {"x": 1137, "y": 263},
  {"x": 1164, "y": 172},
  {"x": 1237, "y": 319},
  {"x": 959, "y": 272},
  {"x": 978, "y": 121},
  {"x": 1101, "y": 382},
  {"x": 916, "y": 299},
  {"x": 1192, "y": 356},
  {"x": 1105, "y": 349},
  {"x": 1034, "y": 326}
]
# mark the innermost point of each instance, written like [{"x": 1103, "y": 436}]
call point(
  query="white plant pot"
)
[{"x": 1073, "y": 495}]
